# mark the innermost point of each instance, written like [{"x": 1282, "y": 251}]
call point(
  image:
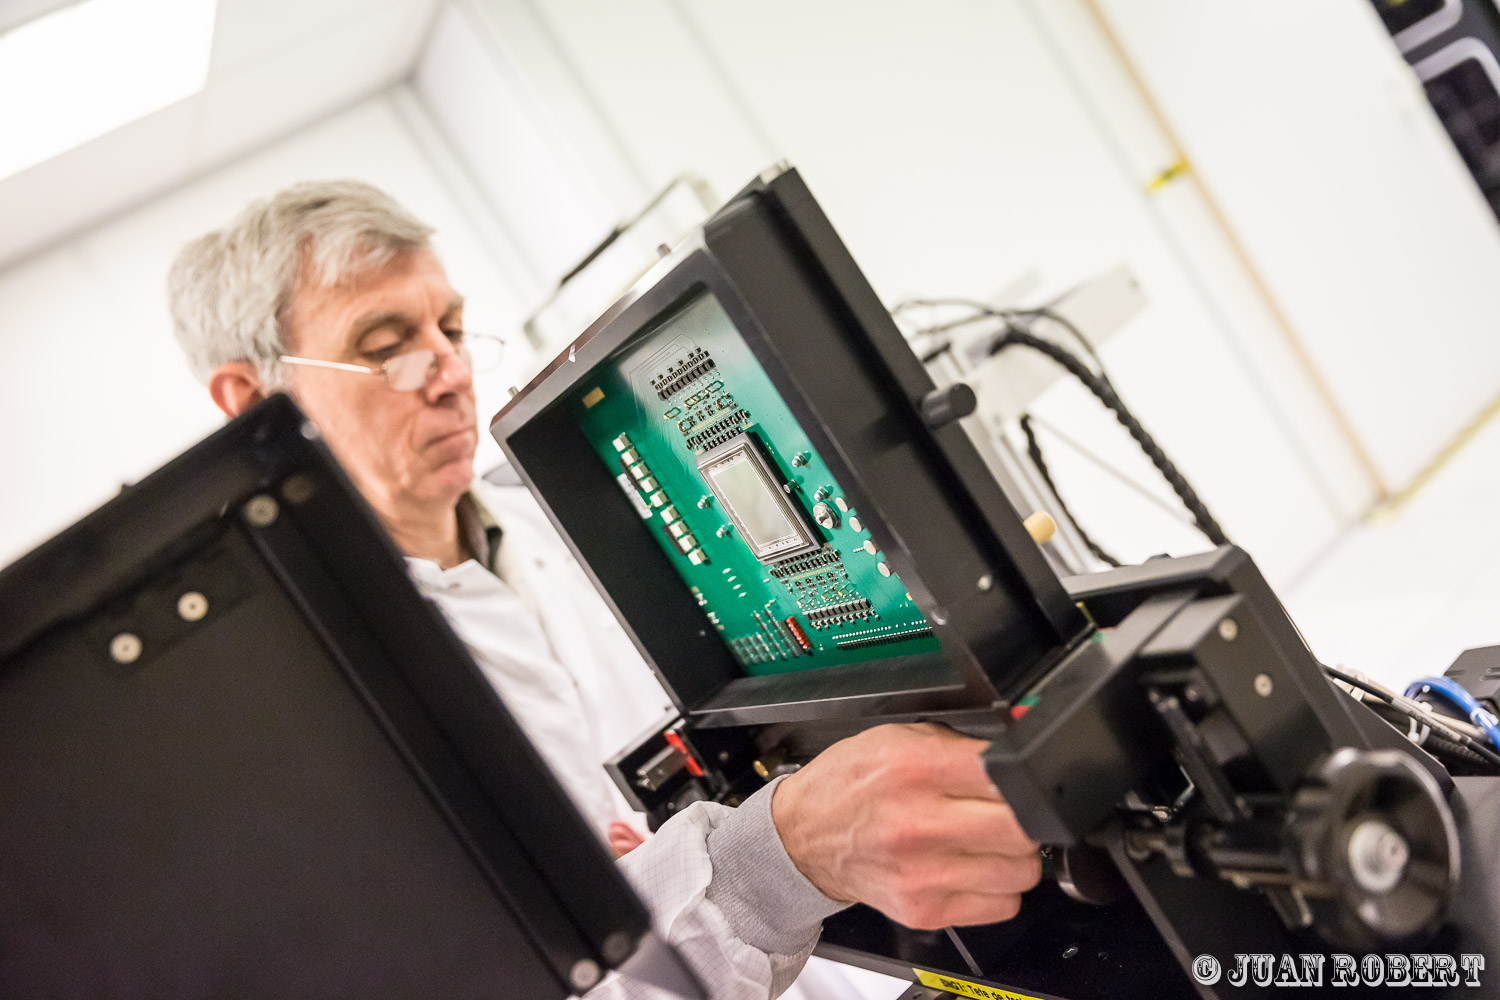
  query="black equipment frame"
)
[
  {"x": 295, "y": 783},
  {"x": 810, "y": 318}
]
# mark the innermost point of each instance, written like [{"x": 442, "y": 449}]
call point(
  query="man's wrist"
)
[{"x": 766, "y": 898}]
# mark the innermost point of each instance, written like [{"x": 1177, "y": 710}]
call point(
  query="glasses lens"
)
[
  {"x": 409, "y": 371},
  {"x": 483, "y": 352}
]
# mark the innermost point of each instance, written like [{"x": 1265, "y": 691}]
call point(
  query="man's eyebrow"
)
[
  {"x": 454, "y": 305},
  {"x": 383, "y": 319}
]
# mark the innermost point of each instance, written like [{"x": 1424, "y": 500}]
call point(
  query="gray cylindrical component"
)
[
  {"x": 1377, "y": 856},
  {"x": 941, "y": 407}
]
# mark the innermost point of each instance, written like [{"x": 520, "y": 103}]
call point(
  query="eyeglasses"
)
[{"x": 415, "y": 369}]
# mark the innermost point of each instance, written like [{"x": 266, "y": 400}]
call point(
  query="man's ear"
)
[{"x": 235, "y": 387}]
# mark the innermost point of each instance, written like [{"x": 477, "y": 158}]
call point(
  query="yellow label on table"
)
[{"x": 966, "y": 989}]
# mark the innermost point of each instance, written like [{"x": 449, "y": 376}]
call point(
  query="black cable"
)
[
  {"x": 1034, "y": 449},
  {"x": 1047, "y": 312},
  {"x": 982, "y": 310},
  {"x": 1454, "y": 756},
  {"x": 1437, "y": 722},
  {"x": 1105, "y": 393}
]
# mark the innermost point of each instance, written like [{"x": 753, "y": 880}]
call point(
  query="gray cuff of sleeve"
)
[{"x": 769, "y": 904}]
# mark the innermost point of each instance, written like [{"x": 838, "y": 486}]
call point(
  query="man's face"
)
[{"x": 405, "y": 450}]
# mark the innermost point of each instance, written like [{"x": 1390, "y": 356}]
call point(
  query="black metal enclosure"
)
[
  {"x": 240, "y": 755},
  {"x": 1176, "y": 745},
  {"x": 829, "y": 347}
]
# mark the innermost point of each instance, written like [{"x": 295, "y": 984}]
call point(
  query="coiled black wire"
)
[
  {"x": 1034, "y": 449},
  {"x": 1013, "y": 336}
]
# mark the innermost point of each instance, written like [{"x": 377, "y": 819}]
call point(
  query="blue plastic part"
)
[{"x": 1455, "y": 693}]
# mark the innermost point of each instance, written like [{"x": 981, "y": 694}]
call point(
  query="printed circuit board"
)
[{"x": 747, "y": 511}]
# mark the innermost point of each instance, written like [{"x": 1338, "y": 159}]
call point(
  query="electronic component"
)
[
  {"x": 751, "y": 495},
  {"x": 681, "y": 374},
  {"x": 802, "y": 640}
]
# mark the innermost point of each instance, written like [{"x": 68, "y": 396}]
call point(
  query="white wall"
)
[
  {"x": 955, "y": 150},
  {"x": 97, "y": 391},
  {"x": 1318, "y": 140}
]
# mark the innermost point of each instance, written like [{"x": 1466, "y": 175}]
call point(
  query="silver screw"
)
[
  {"x": 298, "y": 488},
  {"x": 1070, "y": 951},
  {"x": 1263, "y": 685},
  {"x": 1229, "y": 629},
  {"x": 584, "y": 974},
  {"x": 513, "y": 391},
  {"x": 986, "y": 582},
  {"x": 309, "y": 432},
  {"x": 1377, "y": 855},
  {"x": 192, "y": 606},
  {"x": 616, "y": 947},
  {"x": 125, "y": 647},
  {"x": 262, "y": 510}
]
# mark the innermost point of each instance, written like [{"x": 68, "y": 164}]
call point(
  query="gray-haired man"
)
[{"x": 331, "y": 292}]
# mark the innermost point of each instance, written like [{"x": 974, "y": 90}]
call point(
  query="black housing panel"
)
[
  {"x": 301, "y": 786},
  {"x": 830, "y": 348}
]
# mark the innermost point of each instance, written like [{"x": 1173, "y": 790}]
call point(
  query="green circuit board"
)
[{"x": 744, "y": 507}]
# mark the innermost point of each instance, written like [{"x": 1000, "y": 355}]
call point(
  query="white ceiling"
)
[{"x": 277, "y": 65}]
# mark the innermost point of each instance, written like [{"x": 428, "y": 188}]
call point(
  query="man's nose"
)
[{"x": 451, "y": 372}]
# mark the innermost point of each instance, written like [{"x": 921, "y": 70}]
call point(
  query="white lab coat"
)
[
  {"x": 552, "y": 649},
  {"x": 580, "y": 690}
]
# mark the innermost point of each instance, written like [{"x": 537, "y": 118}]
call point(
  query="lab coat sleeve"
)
[{"x": 722, "y": 889}]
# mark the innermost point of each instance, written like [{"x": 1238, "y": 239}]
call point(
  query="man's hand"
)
[
  {"x": 905, "y": 819},
  {"x": 623, "y": 838}
]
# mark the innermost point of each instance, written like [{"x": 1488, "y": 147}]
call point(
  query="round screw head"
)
[
  {"x": 125, "y": 648},
  {"x": 986, "y": 582},
  {"x": 827, "y": 516},
  {"x": 617, "y": 947},
  {"x": 192, "y": 606},
  {"x": 584, "y": 974},
  {"x": 1229, "y": 629},
  {"x": 262, "y": 510},
  {"x": 1263, "y": 685},
  {"x": 298, "y": 488}
]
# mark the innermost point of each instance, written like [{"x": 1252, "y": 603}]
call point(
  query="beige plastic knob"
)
[{"x": 1040, "y": 527}]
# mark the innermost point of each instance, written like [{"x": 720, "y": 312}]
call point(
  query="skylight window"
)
[{"x": 93, "y": 66}]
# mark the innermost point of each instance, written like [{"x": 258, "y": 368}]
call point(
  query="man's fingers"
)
[
  {"x": 986, "y": 827},
  {"x": 959, "y": 826},
  {"x": 970, "y": 908},
  {"x": 988, "y": 874},
  {"x": 954, "y": 761}
]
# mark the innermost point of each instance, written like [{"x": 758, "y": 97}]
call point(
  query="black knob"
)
[{"x": 941, "y": 407}]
